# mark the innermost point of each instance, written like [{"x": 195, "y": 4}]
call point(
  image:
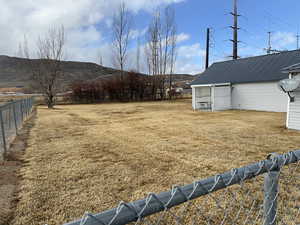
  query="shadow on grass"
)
[{"x": 10, "y": 172}]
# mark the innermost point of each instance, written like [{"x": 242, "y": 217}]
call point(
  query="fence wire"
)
[
  {"x": 264, "y": 193},
  {"x": 12, "y": 116}
]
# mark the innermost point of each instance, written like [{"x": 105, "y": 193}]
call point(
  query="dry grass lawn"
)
[{"x": 89, "y": 157}]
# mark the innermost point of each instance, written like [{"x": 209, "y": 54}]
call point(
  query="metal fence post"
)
[
  {"x": 3, "y": 134},
  {"x": 9, "y": 116},
  {"x": 26, "y": 108},
  {"x": 15, "y": 118},
  {"x": 270, "y": 195},
  {"x": 21, "y": 108}
]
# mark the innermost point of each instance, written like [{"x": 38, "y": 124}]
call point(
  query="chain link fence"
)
[
  {"x": 12, "y": 116},
  {"x": 264, "y": 193}
]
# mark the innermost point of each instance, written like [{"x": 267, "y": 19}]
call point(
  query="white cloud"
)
[
  {"x": 190, "y": 51},
  {"x": 189, "y": 68},
  {"x": 248, "y": 51},
  {"x": 80, "y": 18},
  {"x": 182, "y": 37},
  {"x": 190, "y": 58},
  {"x": 147, "y": 5},
  {"x": 134, "y": 34},
  {"x": 283, "y": 40},
  {"x": 185, "y": 55}
]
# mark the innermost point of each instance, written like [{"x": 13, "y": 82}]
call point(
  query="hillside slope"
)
[{"x": 17, "y": 71}]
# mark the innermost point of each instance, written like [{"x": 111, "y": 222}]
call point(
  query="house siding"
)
[
  {"x": 264, "y": 96},
  {"x": 294, "y": 113},
  {"x": 293, "y": 116},
  {"x": 222, "y": 98}
]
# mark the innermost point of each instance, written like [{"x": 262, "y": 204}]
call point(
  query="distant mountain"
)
[
  {"x": 180, "y": 77},
  {"x": 16, "y": 72}
]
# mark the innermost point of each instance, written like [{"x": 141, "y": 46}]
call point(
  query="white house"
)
[
  {"x": 293, "y": 111},
  {"x": 248, "y": 83}
]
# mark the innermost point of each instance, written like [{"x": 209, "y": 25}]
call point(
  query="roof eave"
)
[
  {"x": 297, "y": 70},
  {"x": 210, "y": 85}
]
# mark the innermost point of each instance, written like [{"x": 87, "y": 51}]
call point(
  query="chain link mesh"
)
[
  {"x": 249, "y": 201},
  {"x": 12, "y": 116}
]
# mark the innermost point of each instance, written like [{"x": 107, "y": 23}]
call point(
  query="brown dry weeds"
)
[{"x": 89, "y": 157}]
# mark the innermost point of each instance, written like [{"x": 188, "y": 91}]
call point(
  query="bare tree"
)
[
  {"x": 23, "y": 50},
  {"x": 161, "y": 48},
  {"x": 19, "y": 52},
  {"x": 172, "y": 43},
  {"x": 138, "y": 54},
  {"x": 48, "y": 70},
  {"x": 154, "y": 44},
  {"x": 173, "y": 57},
  {"x": 100, "y": 58},
  {"x": 121, "y": 30},
  {"x": 152, "y": 51}
]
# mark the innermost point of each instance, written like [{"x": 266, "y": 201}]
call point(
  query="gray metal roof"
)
[{"x": 253, "y": 69}]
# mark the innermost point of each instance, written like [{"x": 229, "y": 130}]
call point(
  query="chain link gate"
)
[{"x": 12, "y": 116}]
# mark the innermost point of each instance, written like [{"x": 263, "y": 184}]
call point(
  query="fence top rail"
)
[
  {"x": 154, "y": 203},
  {"x": 7, "y": 104}
]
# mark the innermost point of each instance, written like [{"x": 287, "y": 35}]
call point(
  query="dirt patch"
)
[{"x": 9, "y": 173}]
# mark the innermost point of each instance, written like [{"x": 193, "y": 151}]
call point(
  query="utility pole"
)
[
  {"x": 269, "y": 49},
  {"x": 297, "y": 36},
  {"x": 235, "y": 29},
  {"x": 207, "y": 48}
]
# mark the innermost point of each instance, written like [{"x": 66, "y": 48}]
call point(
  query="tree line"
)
[{"x": 159, "y": 49}]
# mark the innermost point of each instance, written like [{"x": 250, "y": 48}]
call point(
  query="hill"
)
[{"x": 16, "y": 72}]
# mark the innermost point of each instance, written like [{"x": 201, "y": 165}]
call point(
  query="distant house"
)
[{"x": 248, "y": 83}]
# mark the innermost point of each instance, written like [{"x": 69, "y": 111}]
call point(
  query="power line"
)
[
  {"x": 278, "y": 23},
  {"x": 297, "y": 37},
  {"x": 252, "y": 46},
  {"x": 284, "y": 24},
  {"x": 279, "y": 20},
  {"x": 215, "y": 45},
  {"x": 269, "y": 48}
]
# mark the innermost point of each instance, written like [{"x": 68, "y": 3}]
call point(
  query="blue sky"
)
[
  {"x": 87, "y": 24},
  {"x": 258, "y": 17}
]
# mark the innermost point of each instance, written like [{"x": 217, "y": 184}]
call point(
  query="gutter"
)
[{"x": 210, "y": 85}]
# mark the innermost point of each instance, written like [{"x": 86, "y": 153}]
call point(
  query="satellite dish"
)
[{"x": 288, "y": 85}]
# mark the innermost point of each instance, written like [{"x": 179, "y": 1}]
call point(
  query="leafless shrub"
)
[
  {"x": 136, "y": 87},
  {"x": 46, "y": 69}
]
